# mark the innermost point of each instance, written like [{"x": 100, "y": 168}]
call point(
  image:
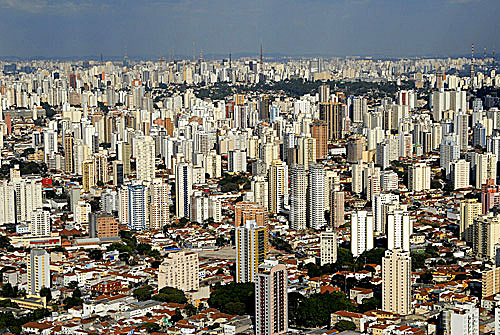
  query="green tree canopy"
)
[
  {"x": 224, "y": 297},
  {"x": 170, "y": 294}
]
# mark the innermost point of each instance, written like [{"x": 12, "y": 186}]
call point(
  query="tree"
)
[
  {"x": 4, "y": 242},
  {"x": 344, "y": 325},
  {"x": 190, "y": 310},
  {"x": 235, "y": 308},
  {"x": 95, "y": 254},
  {"x": 151, "y": 327},
  {"x": 243, "y": 293},
  {"x": 369, "y": 305},
  {"x": 177, "y": 316},
  {"x": 46, "y": 292},
  {"x": 8, "y": 291},
  {"x": 143, "y": 293},
  {"x": 170, "y": 294},
  {"x": 315, "y": 310}
]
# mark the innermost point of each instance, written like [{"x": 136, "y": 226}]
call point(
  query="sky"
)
[{"x": 153, "y": 28}]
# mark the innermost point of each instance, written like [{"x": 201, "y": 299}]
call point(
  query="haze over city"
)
[{"x": 153, "y": 28}]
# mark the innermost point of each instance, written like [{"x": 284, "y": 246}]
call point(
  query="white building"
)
[
  {"x": 361, "y": 232},
  {"x": 328, "y": 247}
]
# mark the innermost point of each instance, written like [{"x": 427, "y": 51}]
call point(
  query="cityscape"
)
[{"x": 220, "y": 192}]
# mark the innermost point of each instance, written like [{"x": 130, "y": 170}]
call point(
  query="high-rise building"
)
[
  {"x": 278, "y": 186},
  {"x": 102, "y": 225},
  {"x": 396, "y": 284},
  {"x": 251, "y": 250},
  {"x": 469, "y": 210},
  {"x": 68, "y": 154},
  {"x": 449, "y": 151},
  {"x": 184, "y": 189},
  {"x": 118, "y": 174},
  {"x": 298, "y": 196},
  {"x": 134, "y": 207},
  {"x": 7, "y": 202},
  {"x": 490, "y": 282},
  {"x": 146, "y": 156},
  {"x": 101, "y": 168},
  {"x": 88, "y": 177},
  {"x": 361, "y": 232},
  {"x": 319, "y": 131},
  {"x": 486, "y": 234},
  {"x": 316, "y": 196},
  {"x": 460, "y": 174},
  {"x": 180, "y": 270},
  {"x": 28, "y": 197},
  {"x": 271, "y": 299},
  {"x": 244, "y": 211},
  {"x": 399, "y": 230},
  {"x": 306, "y": 151},
  {"x": 38, "y": 271},
  {"x": 460, "y": 319},
  {"x": 324, "y": 93},
  {"x": 461, "y": 125},
  {"x": 330, "y": 112},
  {"x": 40, "y": 223},
  {"x": 159, "y": 210},
  {"x": 328, "y": 247},
  {"x": 337, "y": 212},
  {"x": 237, "y": 161},
  {"x": 357, "y": 177},
  {"x": 486, "y": 168},
  {"x": 419, "y": 177}
]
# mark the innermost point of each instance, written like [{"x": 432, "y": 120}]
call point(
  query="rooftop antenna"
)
[
  {"x": 101, "y": 58},
  {"x": 193, "y": 49},
  {"x": 472, "y": 67},
  {"x": 230, "y": 60},
  {"x": 201, "y": 56}
]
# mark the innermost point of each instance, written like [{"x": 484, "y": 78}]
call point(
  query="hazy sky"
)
[{"x": 65, "y": 28}]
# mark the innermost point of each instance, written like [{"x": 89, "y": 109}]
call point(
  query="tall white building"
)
[
  {"x": 251, "y": 250},
  {"x": 449, "y": 151},
  {"x": 145, "y": 158},
  {"x": 460, "y": 174},
  {"x": 316, "y": 196},
  {"x": 40, "y": 223},
  {"x": 237, "y": 161},
  {"x": 357, "y": 177},
  {"x": 461, "y": 126},
  {"x": 379, "y": 212},
  {"x": 38, "y": 271},
  {"x": 28, "y": 197},
  {"x": 271, "y": 299},
  {"x": 361, "y": 232},
  {"x": 7, "y": 202},
  {"x": 486, "y": 168},
  {"x": 328, "y": 247},
  {"x": 461, "y": 319},
  {"x": 298, "y": 185},
  {"x": 184, "y": 189},
  {"x": 399, "y": 230},
  {"x": 419, "y": 177}
]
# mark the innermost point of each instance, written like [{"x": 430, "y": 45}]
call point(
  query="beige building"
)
[
  {"x": 396, "y": 285},
  {"x": 251, "y": 250},
  {"x": 469, "y": 210},
  {"x": 419, "y": 177},
  {"x": 486, "y": 168},
  {"x": 490, "y": 282},
  {"x": 486, "y": 233},
  {"x": 328, "y": 247},
  {"x": 278, "y": 186},
  {"x": 181, "y": 271}
]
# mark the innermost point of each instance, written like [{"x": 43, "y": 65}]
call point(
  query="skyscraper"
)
[
  {"x": 180, "y": 270},
  {"x": 88, "y": 177},
  {"x": 460, "y": 174},
  {"x": 328, "y": 247},
  {"x": 419, "y": 177},
  {"x": 361, "y": 232},
  {"x": 486, "y": 234},
  {"x": 159, "y": 211},
  {"x": 278, "y": 186},
  {"x": 319, "y": 131},
  {"x": 40, "y": 223},
  {"x": 337, "y": 212},
  {"x": 102, "y": 225},
  {"x": 469, "y": 210},
  {"x": 271, "y": 299},
  {"x": 486, "y": 168},
  {"x": 251, "y": 250},
  {"x": 244, "y": 211},
  {"x": 184, "y": 189},
  {"x": 399, "y": 230},
  {"x": 133, "y": 207},
  {"x": 38, "y": 271},
  {"x": 316, "y": 196},
  {"x": 330, "y": 113},
  {"x": 396, "y": 285},
  {"x": 145, "y": 158},
  {"x": 68, "y": 154},
  {"x": 298, "y": 184},
  {"x": 462, "y": 129}
]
